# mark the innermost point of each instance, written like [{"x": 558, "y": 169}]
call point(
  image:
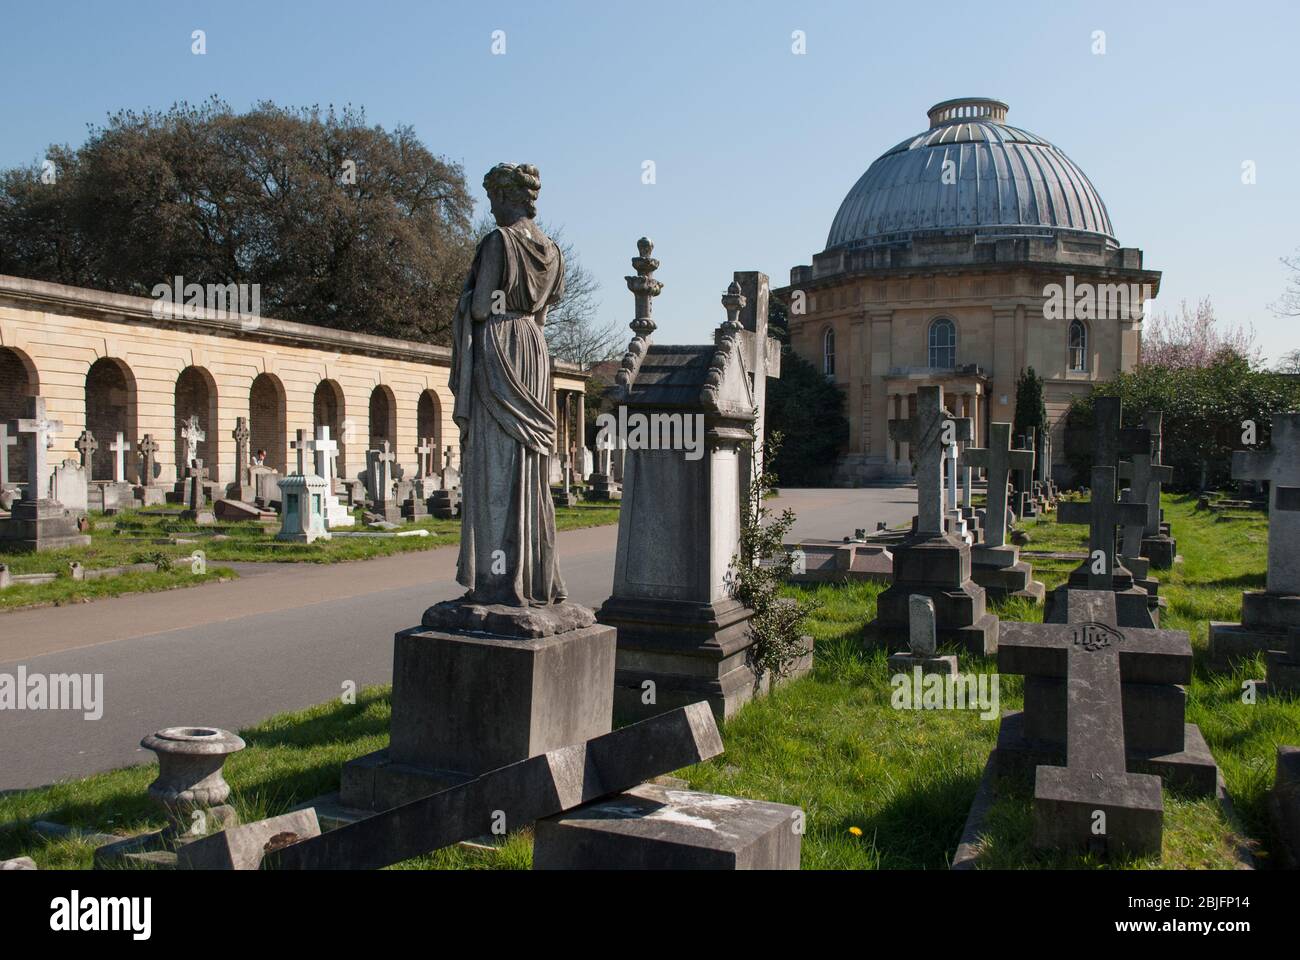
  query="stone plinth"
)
[
  {"x": 108, "y": 496},
  {"x": 1001, "y": 572},
  {"x": 601, "y": 486},
  {"x": 302, "y": 516},
  {"x": 937, "y": 566},
  {"x": 1284, "y": 805},
  {"x": 654, "y": 827},
  {"x": 37, "y": 525},
  {"x": 479, "y": 687},
  {"x": 1284, "y": 666},
  {"x": 1266, "y": 619},
  {"x": 828, "y": 561}
]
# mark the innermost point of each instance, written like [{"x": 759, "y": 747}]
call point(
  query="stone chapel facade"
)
[{"x": 964, "y": 255}]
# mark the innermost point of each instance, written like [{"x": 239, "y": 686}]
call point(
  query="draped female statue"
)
[{"x": 501, "y": 379}]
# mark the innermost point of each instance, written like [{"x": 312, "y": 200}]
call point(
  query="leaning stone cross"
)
[
  {"x": 86, "y": 446},
  {"x": 932, "y": 430},
  {"x": 1281, "y": 467},
  {"x": 998, "y": 461},
  {"x": 305, "y": 446},
  {"x": 42, "y": 431},
  {"x": 1102, "y": 514},
  {"x": 148, "y": 447},
  {"x": 119, "y": 447}
]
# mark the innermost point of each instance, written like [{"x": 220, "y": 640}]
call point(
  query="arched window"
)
[
  {"x": 943, "y": 344},
  {"x": 1078, "y": 347},
  {"x": 828, "y": 352}
]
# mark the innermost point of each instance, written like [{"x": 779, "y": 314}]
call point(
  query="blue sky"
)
[{"x": 754, "y": 146}]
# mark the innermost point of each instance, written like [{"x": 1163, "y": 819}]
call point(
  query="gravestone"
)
[
  {"x": 1103, "y": 723},
  {"x": 995, "y": 564},
  {"x": 1284, "y": 806},
  {"x": 110, "y": 496},
  {"x": 192, "y": 434},
  {"x": 70, "y": 486},
  {"x": 337, "y": 516},
  {"x": 266, "y": 485},
  {"x": 381, "y": 484},
  {"x": 1026, "y": 506},
  {"x": 922, "y": 646},
  {"x": 7, "y": 440},
  {"x": 86, "y": 446},
  {"x": 1102, "y": 569},
  {"x": 601, "y": 484},
  {"x": 847, "y": 561},
  {"x": 1267, "y": 615},
  {"x": 930, "y": 561},
  {"x": 243, "y": 489},
  {"x": 444, "y": 502},
  {"x": 302, "y": 498},
  {"x": 682, "y": 634},
  {"x": 1284, "y": 666},
  {"x": 196, "y": 497},
  {"x": 562, "y": 494},
  {"x": 148, "y": 491},
  {"x": 38, "y": 522},
  {"x": 953, "y": 517},
  {"x": 1146, "y": 475}
]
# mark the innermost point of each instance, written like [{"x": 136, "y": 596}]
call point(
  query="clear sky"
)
[{"x": 754, "y": 146}]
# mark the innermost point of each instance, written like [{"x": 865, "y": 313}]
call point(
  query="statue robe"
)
[{"x": 501, "y": 379}]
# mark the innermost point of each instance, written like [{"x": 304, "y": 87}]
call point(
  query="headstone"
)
[
  {"x": 1284, "y": 666},
  {"x": 543, "y": 784},
  {"x": 192, "y": 435},
  {"x": 995, "y": 564},
  {"x": 1026, "y": 506},
  {"x": 829, "y": 561},
  {"x": 444, "y": 502},
  {"x": 381, "y": 483},
  {"x": 601, "y": 484},
  {"x": 922, "y": 644},
  {"x": 110, "y": 496},
  {"x": 1102, "y": 569},
  {"x": 682, "y": 635},
  {"x": 953, "y": 516},
  {"x": 337, "y": 516},
  {"x": 1267, "y": 615},
  {"x": 1146, "y": 475},
  {"x": 266, "y": 485},
  {"x": 243, "y": 488},
  {"x": 930, "y": 561},
  {"x": 302, "y": 497},
  {"x": 86, "y": 446},
  {"x": 1109, "y": 701},
  {"x": 147, "y": 491},
  {"x": 7, "y": 440},
  {"x": 562, "y": 495},
  {"x": 1284, "y": 806},
  {"x": 196, "y": 496},
  {"x": 70, "y": 487}
]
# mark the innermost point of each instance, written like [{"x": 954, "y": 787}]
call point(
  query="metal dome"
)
[{"x": 1008, "y": 181}]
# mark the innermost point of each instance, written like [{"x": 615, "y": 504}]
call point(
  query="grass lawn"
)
[
  {"x": 145, "y": 537},
  {"x": 830, "y": 743}
]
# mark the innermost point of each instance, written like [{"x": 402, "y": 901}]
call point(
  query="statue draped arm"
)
[{"x": 491, "y": 268}]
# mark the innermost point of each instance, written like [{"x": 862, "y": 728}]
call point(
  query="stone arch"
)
[
  {"x": 383, "y": 417},
  {"x": 196, "y": 395},
  {"x": 330, "y": 410},
  {"x": 18, "y": 381},
  {"x": 429, "y": 422},
  {"x": 267, "y": 420},
  {"x": 110, "y": 409}
]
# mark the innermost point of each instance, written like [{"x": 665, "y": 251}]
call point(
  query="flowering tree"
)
[{"x": 1194, "y": 340}]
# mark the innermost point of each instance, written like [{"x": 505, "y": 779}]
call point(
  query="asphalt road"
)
[{"x": 282, "y": 637}]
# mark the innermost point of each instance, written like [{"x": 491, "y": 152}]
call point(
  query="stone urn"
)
[{"x": 189, "y": 766}]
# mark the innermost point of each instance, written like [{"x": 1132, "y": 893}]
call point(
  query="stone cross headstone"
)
[
  {"x": 998, "y": 461},
  {"x": 42, "y": 430},
  {"x": 305, "y": 447},
  {"x": 7, "y": 440},
  {"x": 195, "y": 497},
  {"x": 1102, "y": 514},
  {"x": 1145, "y": 476},
  {"x": 424, "y": 452},
  {"x": 119, "y": 446},
  {"x": 192, "y": 434},
  {"x": 1281, "y": 467},
  {"x": 927, "y": 435},
  {"x": 1114, "y": 441},
  {"x": 242, "y": 436},
  {"x": 450, "y": 475},
  {"x": 86, "y": 446},
  {"x": 148, "y": 447},
  {"x": 326, "y": 450}
]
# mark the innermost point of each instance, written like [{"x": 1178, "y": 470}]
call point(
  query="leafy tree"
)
[
  {"x": 808, "y": 411},
  {"x": 339, "y": 223},
  {"x": 1203, "y": 408}
]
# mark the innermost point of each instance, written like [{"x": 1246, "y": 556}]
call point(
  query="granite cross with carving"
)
[
  {"x": 148, "y": 447},
  {"x": 86, "y": 446},
  {"x": 998, "y": 461},
  {"x": 1102, "y": 514},
  {"x": 242, "y": 435},
  {"x": 927, "y": 435},
  {"x": 1280, "y": 466}
]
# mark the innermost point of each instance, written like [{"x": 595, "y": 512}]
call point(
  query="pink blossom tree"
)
[{"x": 1194, "y": 339}]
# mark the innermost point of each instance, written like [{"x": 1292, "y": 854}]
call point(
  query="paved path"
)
[{"x": 282, "y": 637}]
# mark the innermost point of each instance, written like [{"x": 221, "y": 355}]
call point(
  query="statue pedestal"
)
[
  {"x": 478, "y": 687},
  {"x": 36, "y": 525}
]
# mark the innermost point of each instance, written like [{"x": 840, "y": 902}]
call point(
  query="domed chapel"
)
[{"x": 964, "y": 255}]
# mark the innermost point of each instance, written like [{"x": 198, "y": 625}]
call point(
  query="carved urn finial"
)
[
  {"x": 733, "y": 301},
  {"x": 644, "y": 287}
]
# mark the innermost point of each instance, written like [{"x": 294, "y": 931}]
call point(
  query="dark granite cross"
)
[
  {"x": 242, "y": 435},
  {"x": 86, "y": 446},
  {"x": 7, "y": 440},
  {"x": 148, "y": 447},
  {"x": 933, "y": 429},
  {"x": 196, "y": 497},
  {"x": 998, "y": 460},
  {"x": 305, "y": 446},
  {"x": 1102, "y": 514},
  {"x": 1145, "y": 475},
  {"x": 1280, "y": 466},
  {"x": 1095, "y": 657},
  {"x": 42, "y": 430},
  {"x": 1023, "y": 473},
  {"x": 1113, "y": 440}
]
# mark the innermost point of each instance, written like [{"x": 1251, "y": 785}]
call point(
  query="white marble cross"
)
[
  {"x": 326, "y": 450},
  {"x": 192, "y": 435},
  {"x": 305, "y": 447},
  {"x": 7, "y": 440},
  {"x": 43, "y": 431},
  {"x": 424, "y": 451},
  {"x": 1281, "y": 468},
  {"x": 119, "y": 448}
]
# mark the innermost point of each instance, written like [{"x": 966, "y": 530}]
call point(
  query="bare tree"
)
[
  {"x": 1290, "y": 362},
  {"x": 1288, "y": 305}
]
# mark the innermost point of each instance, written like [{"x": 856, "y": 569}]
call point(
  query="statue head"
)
[{"x": 513, "y": 190}]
